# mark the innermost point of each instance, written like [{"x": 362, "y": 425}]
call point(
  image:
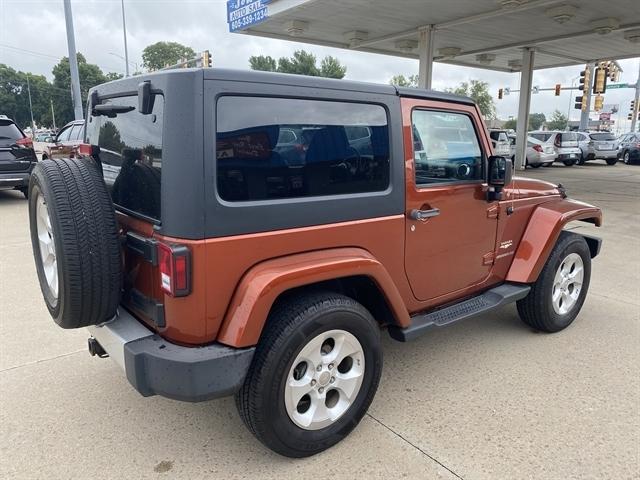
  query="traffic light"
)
[
  {"x": 598, "y": 103},
  {"x": 558, "y": 88},
  {"x": 500, "y": 93},
  {"x": 206, "y": 59},
  {"x": 585, "y": 80},
  {"x": 600, "y": 80}
]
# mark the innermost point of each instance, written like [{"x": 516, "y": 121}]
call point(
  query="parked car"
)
[
  {"x": 64, "y": 145},
  {"x": 209, "y": 267},
  {"x": 598, "y": 145},
  {"x": 539, "y": 153},
  {"x": 17, "y": 157},
  {"x": 629, "y": 148},
  {"x": 501, "y": 144},
  {"x": 564, "y": 143}
]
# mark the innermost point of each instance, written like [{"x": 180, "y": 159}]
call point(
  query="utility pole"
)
[
  {"x": 73, "y": 63},
  {"x": 634, "y": 119},
  {"x": 33, "y": 124},
  {"x": 124, "y": 31},
  {"x": 53, "y": 116}
]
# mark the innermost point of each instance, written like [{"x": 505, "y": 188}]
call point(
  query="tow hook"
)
[{"x": 96, "y": 349}]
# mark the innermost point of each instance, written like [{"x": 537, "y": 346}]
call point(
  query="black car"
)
[
  {"x": 629, "y": 148},
  {"x": 17, "y": 157}
]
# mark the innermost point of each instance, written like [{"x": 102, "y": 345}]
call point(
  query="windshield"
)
[
  {"x": 499, "y": 136},
  {"x": 9, "y": 133},
  {"x": 603, "y": 137}
]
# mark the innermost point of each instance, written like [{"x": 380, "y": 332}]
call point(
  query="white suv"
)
[{"x": 564, "y": 143}]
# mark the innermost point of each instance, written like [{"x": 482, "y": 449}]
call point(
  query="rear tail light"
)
[
  {"x": 25, "y": 142},
  {"x": 537, "y": 148},
  {"x": 88, "y": 150},
  {"x": 175, "y": 269}
]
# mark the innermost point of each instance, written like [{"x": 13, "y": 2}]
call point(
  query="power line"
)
[{"x": 46, "y": 55}]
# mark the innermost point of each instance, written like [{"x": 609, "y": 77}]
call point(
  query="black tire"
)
[
  {"x": 612, "y": 161},
  {"x": 536, "y": 309},
  {"x": 535, "y": 165},
  {"x": 548, "y": 164},
  {"x": 569, "y": 163},
  {"x": 626, "y": 158},
  {"x": 291, "y": 325},
  {"x": 25, "y": 192},
  {"x": 581, "y": 160},
  {"x": 84, "y": 231}
]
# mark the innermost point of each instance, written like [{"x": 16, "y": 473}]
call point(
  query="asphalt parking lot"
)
[{"x": 484, "y": 399}]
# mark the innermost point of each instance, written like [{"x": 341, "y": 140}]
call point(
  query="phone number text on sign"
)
[{"x": 248, "y": 20}]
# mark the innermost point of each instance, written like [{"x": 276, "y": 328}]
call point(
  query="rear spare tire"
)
[{"x": 75, "y": 242}]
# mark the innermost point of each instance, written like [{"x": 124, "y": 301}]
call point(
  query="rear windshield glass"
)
[
  {"x": 131, "y": 155},
  {"x": 271, "y": 148},
  {"x": 499, "y": 136},
  {"x": 9, "y": 133},
  {"x": 543, "y": 137},
  {"x": 569, "y": 137},
  {"x": 605, "y": 136}
]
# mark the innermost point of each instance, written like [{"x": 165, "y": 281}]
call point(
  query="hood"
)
[{"x": 530, "y": 188}]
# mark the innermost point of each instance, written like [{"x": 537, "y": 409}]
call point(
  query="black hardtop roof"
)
[{"x": 285, "y": 79}]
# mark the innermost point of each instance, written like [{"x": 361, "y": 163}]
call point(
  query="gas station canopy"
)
[{"x": 489, "y": 34}]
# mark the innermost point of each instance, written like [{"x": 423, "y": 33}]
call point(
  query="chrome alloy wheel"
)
[
  {"x": 324, "y": 379},
  {"x": 567, "y": 284},
  {"x": 47, "y": 245}
]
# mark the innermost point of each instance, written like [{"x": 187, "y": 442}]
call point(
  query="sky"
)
[{"x": 33, "y": 39}]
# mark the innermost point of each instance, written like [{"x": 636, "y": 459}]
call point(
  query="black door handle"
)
[{"x": 422, "y": 215}]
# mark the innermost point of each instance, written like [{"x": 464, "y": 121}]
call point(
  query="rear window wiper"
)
[{"x": 110, "y": 110}]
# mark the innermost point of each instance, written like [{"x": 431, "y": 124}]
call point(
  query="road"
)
[{"x": 484, "y": 399}]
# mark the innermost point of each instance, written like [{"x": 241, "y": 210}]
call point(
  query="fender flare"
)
[
  {"x": 542, "y": 232},
  {"x": 263, "y": 283}
]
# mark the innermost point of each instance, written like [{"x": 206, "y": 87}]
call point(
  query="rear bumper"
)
[
  {"x": 14, "y": 179},
  {"x": 603, "y": 154},
  {"x": 568, "y": 156},
  {"x": 157, "y": 367}
]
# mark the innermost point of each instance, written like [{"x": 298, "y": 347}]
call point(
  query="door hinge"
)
[
  {"x": 492, "y": 211},
  {"x": 488, "y": 258}
]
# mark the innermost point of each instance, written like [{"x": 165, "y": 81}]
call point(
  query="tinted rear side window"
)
[
  {"x": 9, "y": 132},
  {"x": 131, "y": 155},
  {"x": 339, "y": 148}
]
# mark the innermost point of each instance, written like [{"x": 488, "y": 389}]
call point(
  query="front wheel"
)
[
  {"x": 557, "y": 295},
  {"x": 626, "y": 158},
  {"x": 314, "y": 374}
]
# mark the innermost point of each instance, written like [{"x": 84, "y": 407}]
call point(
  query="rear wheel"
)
[
  {"x": 535, "y": 165},
  {"x": 548, "y": 164},
  {"x": 314, "y": 374},
  {"x": 626, "y": 158},
  {"x": 612, "y": 161},
  {"x": 569, "y": 163},
  {"x": 557, "y": 296}
]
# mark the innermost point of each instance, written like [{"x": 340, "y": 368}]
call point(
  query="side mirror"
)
[{"x": 499, "y": 175}]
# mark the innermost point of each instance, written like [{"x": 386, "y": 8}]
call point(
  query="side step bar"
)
[{"x": 483, "y": 303}]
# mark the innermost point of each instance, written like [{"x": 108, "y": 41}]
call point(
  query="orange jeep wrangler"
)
[{"x": 250, "y": 233}]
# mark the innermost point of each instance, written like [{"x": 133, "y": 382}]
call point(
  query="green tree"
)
[
  {"x": 301, "y": 63},
  {"x": 536, "y": 120},
  {"x": 478, "y": 91},
  {"x": 161, "y": 54},
  {"x": 90, "y": 76},
  {"x": 113, "y": 76},
  {"x": 558, "y": 121},
  {"x": 14, "y": 97},
  {"x": 510, "y": 124},
  {"x": 402, "y": 81},
  {"x": 263, "y": 63},
  {"x": 330, "y": 67}
]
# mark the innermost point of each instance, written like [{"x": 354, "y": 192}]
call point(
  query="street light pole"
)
[
  {"x": 33, "y": 124},
  {"x": 124, "y": 31},
  {"x": 73, "y": 63},
  {"x": 53, "y": 116},
  {"x": 634, "y": 119},
  {"x": 573, "y": 81}
]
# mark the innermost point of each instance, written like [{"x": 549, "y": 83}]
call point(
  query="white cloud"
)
[{"x": 39, "y": 26}]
